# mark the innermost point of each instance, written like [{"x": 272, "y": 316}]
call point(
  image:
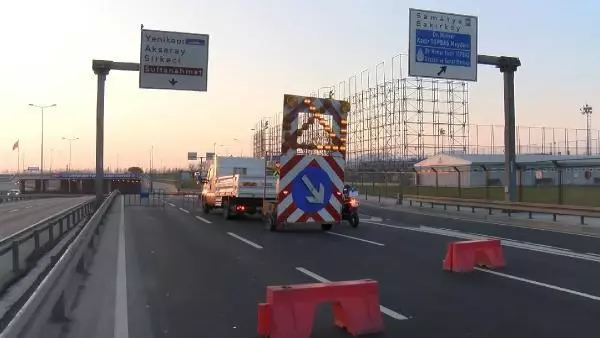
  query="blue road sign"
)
[
  {"x": 442, "y": 45},
  {"x": 311, "y": 189}
]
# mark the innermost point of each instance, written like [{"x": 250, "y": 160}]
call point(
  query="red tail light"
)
[{"x": 285, "y": 192}]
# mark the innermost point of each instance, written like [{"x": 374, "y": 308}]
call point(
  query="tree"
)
[{"x": 135, "y": 170}]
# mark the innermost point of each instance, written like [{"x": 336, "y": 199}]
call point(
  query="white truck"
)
[{"x": 236, "y": 185}]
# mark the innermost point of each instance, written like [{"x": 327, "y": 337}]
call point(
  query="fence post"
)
[
  {"x": 15, "y": 257},
  {"x": 437, "y": 183},
  {"x": 458, "y": 183}
]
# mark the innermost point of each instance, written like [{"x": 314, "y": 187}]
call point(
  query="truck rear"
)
[{"x": 237, "y": 185}]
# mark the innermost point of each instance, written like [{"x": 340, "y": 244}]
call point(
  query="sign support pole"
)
[
  {"x": 508, "y": 66},
  {"x": 102, "y": 68}
]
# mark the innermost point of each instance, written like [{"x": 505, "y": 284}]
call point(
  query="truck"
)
[{"x": 236, "y": 185}]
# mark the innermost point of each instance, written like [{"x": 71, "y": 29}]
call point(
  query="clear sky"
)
[{"x": 259, "y": 50}]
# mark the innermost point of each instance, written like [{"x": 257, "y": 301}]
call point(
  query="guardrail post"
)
[
  {"x": 60, "y": 227},
  {"x": 51, "y": 233},
  {"x": 399, "y": 198},
  {"x": 60, "y": 309},
  {"x": 36, "y": 239},
  {"x": 15, "y": 257},
  {"x": 81, "y": 266}
]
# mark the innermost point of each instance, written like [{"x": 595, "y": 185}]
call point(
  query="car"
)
[{"x": 13, "y": 193}]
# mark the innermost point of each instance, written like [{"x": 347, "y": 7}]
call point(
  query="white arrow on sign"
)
[{"x": 318, "y": 196}]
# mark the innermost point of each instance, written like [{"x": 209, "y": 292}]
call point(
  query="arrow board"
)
[{"x": 311, "y": 189}]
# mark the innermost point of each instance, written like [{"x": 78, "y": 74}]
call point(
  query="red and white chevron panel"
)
[{"x": 291, "y": 167}]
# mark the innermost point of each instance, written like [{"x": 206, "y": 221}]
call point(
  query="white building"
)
[{"x": 447, "y": 170}]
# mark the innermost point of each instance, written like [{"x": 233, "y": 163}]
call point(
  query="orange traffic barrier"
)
[
  {"x": 290, "y": 309},
  {"x": 465, "y": 255}
]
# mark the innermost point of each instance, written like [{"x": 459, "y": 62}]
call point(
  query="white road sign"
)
[
  {"x": 172, "y": 60},
  {"x": 442, "y": 45}
]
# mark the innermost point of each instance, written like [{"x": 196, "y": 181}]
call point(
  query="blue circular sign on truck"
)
[{"x": 311, "y": 189}]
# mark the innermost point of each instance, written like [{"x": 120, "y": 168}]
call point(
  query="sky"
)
[{"x": 259, "y": 50}]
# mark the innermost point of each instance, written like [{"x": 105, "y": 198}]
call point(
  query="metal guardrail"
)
[
  {"x": 49, "y": 298},
  {"x": 30, "y": 196},
  {"x": 505, "y": 206},
  {"x": 20, "y": 251}
]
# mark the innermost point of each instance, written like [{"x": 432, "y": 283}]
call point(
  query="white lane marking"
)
[
  {"x": 29, "y": 206},
  {"x": 321, "y": 279},
  {"x": 505, "y": 242},
  {"x": 171, "y": 204},
  {"x": 121, "y": 320},
  {"x": 203, "y": 219},
  {"x": 549, "y": 286},
  {"x": 593, "y": 254},
  {"x": 13, "y": 210},
  {"x": 371, "y": 218},
  {"x": 184, "y": 210},
  {"x": 504, "y": 224},
  {"x": 247, "y": 241},
  {"x": 355, "y": 238}
]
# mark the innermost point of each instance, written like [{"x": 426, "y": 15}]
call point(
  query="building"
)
[{"x": 458, "y": 170}]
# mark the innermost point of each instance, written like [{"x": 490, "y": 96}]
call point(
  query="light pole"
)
[
  {"x": 587, "y": 112},
  {"x": 241, "y": 148},
  {"x": 70, "y": 148},
  {"x": 151, "y": 163},
  {"x": 42, "y": 146}
]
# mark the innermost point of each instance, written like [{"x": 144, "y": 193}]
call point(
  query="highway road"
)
[
  {"x": 175, "y": 272},
  {"x": 17, "y": 215}
]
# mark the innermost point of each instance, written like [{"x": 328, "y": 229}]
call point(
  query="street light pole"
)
[
  {"x": 42, "y": 145},
  {"x": 587, "y": 112},
  {"x": 70, "y": 148}
]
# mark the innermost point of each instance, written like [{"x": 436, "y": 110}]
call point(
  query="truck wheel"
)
[
  {"x": 205, "y": 208},
  {"x": 325, "y": 227},
  {"x": 226, "y": 211}
]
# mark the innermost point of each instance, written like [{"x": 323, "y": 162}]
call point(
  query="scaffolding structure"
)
[
  {"x": 390, "y": 121},
  {"x": 396, "y": 120}
]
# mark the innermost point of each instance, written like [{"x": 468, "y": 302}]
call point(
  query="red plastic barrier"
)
[
  {"x": 465, "y": 255},
  {"x": 290, "y": 309}
]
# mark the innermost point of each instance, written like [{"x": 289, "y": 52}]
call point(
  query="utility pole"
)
[
  {"x": 70, "y": 153},
  {"x": 42, "y": 145},
  {"x": 587, "y": 112}
]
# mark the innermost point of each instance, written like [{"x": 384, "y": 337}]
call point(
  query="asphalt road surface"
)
[
  {"x": 17, "y": 215},
  {"x": 175, "y": 272}
]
